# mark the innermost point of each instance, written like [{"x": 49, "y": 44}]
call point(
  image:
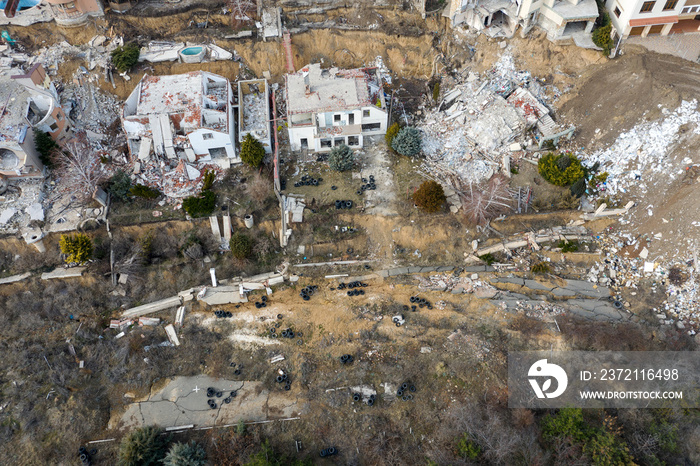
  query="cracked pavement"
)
[{"x": 183, "y": 401}]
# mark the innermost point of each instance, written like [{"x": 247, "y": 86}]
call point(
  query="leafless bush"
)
[
  {"x": 259, "y": 188},
  {"x": 79, "y": 168},
  {"x": 484, "y": 202}
]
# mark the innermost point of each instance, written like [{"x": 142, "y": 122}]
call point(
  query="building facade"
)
[
  {"x": 330, "y": 107},
  {"x": 561, "y": 19},
  {"x": 656, "y": 17},
  {"x": 73, "y": 13},
  {"x": 182, "y": 117}
]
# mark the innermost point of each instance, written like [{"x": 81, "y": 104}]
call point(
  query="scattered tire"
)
[
  {"x": 356, "y": 397},
  {"x": 233, "y": 394},
  {"x": 332, "y": 451},
  {"x": 412, "y": 388},
  {"x": 350, "y": 250},
  {"x": 278, "y": 325},
  {"x": 405, "y": 307},
  {"x": 323, "y": 453},
  {"x": 413, "y": 299},
  {"x": 287, "y": 387},
  {"x": 333, "y": 188},
  {"x": 210, "y": 392},
  {"x": 227, "y": 400},
  {"x": 404, "y": 398},
  {"x": 299, "y": 334},
  {"x": 300, "y": 342},
  {"x": 237, "y": 372},
  {"x": 370, "y": 402},
  {"x": 279, "y": 316},
  {"x": 263, "y": 299},
  {"x": 404, "y": 386},
  {"x": 617, "y": 304},
  {"x": 398, "y": 324},
  {"x": 280, "y": 379},
  {"x": 219, "y": 394}
]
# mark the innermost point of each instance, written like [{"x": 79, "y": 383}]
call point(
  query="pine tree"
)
[
  {"x": 252, "y": 151},
  {"x": 341, "y": 158},
  {"x": 185, "y": 454},
  {"x": 407, "y": 142},
  {"x": 77, "y": 248}
]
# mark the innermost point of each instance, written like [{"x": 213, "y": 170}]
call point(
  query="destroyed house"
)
[
  {"x": 329, "y": 107},
  {"x": 30, "y": 102},
  {"x": 182, "y": 117},
  {"x": 561, "y": 19},
  {"x": 254, "y": 111}
]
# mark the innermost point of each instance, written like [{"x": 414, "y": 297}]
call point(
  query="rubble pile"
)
[
  {"x": 541, "y": 310},
  {"x": 644, "y": 150},
  {"x": 626, "y": 265},
  {"x": 455, "y": 284},
  {"x": 475, "y": 128},
  {"x": 255, "y": 114}
]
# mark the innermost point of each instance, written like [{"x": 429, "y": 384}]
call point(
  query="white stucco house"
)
[
  {"x": 182, "y": 117},
  {"x": 647, "y": 18},
  {"x": 329, "y": 107},
  {"x": 561, "y": 19}
]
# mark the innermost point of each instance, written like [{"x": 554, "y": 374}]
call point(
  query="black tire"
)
[
  {"x": 332, "y": 451},
  {"x": 93, "y": 452},
  {"x": 617, "y": 304},
  {"x": 333, "y": 188},
  {"x": 339, "y": 205},
  {"x": 405, "y": 307},
  {"x": 83, "y": 457},
  {"x": 233, "y": 394},
  {"x": 279, "y": 379},
  {"x": 364, "y": 285},
  {"x": 278, "y": 325},
  {"x": 404, "y": 398},
  {"x": 287, "y": 387},
  {"x": 350, "y": 250},
  {"x": 290, "y": 335},
  {"x": 213, "y": 405},
  {"x": 351, "y": 293},
  {"x": 421, "y": 305},
  {"x": 274, "y": 335},
  {"x": 362, "y": 291},
  {"x": 399, "y": 392},
  {"x": 210, "y": 392},
  {"x": 219, "y": 394},
  {"x": 348, "y": 204},
  {"x": 404, "y": 386},
  {"x": 412, "y": 388},
  {"x": 299, "y": 334},
  {"x": 323, "y": 453},
  {"x": 82, "y": 450},
  {"x": 370, "y": 402},
  {"x": 227, "y": 400},
  {"x": 413, "y": 299},
  {"x": 300, "y": 342},
  {"x": 237, "y": 372},
  {"x": 413, "y": 308},
  {"x": 398, "y": 324},
  {"x": 284, "y": 334},
  {"x": 359, "y": 192},
  {"x": 409, "y": 396},
  {"x": 273, "y": 330},
  {"x": 356, "y": 397},
  {"x": 306, "y": 297},
  {"x": 263, "y": 299},
  {"x": 280, "y": 316}
]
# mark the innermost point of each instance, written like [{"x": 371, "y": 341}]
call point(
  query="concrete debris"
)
[
  {"x": 172, "y": 335},
  {"x": 480, "y": 123},
  {"x": 15, "y": 278},
  {"x": 294, "y": 208},
  {"x": 455, "y": 284},
  {"x": 72, "y": 272},
  {"x": 638, "y": 155}
]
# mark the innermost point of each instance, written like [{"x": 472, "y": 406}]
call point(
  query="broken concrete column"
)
[
  {"x": 212, "y": 272},
  {"x": 35, "y": 237}
]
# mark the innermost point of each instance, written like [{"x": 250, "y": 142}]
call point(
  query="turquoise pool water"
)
[
  {"x": 192, "y": 51},
  {"x": 23, "y": 4}
]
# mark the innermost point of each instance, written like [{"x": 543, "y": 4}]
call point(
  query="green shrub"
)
[
  {"x": 143, "y": 191},
  {"x": 200, "y": 206},
  {"x": 540, "y": 267},
  {"x": 602, "y": 38},
  {"x": 341, "y": 158},
  {"x": 568, "y": 246},
  {"x": 391, "y": 133},
  {"x": 124, "y": 58},
  {"x": 119, "y": 185},
  {"x": 467, "y": 449},
  {"x": 252, "y": 151},
  {"x": 241, "y": 246},
  {"x": 185, "y": 454},
  {"x": 77, "y": 248},
  {"x": 560, "y": 169},
  {"x": 45, "y": 146},
  {"x": 208, "y": 180},
  {"x": 407, "y": 142},
  {"x": 436, "y": 91},
  {"x": 488, "y": 258},
  {"x": 142, "y": 447},
  {"x": 430, "y": 196}
]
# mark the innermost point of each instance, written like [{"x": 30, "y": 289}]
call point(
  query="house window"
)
[
  {"x": 685, "y": 10},
  {"x": 647, "y": 7},
  {"x": 353, "y": 140},
  {"x": 365, "y": 113},
  {"x": 670, "y": 5},
  {"x": 54, "y": 127},
  {"x": 325, "y": 143},
  {"x": 59, "y": 116},
  {"x": 351, "y": 118},
  {"x": 207, "y": 136},
  {"x": 304, "y": 143},
  {"x": 617, "y": 12},
  {"x": 338, "y": 141},
  {"x": 336, "y": 117},
  {"x": 371, "y": 127}
]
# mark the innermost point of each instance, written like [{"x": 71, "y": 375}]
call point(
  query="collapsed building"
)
[
  {"x": 561, "y": 19},
  {"x": 185, "y": 117},
  {"x": 67, "y": 13},
  {"x": 329, "y": 107},
  {"x": 482, "y": 122},
  {"x": 30, "y": 102}
]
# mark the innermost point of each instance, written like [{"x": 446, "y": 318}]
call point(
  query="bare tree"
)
[
  {"x": 78, "y": 168},
  {"x": 483, "y": 202}
]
